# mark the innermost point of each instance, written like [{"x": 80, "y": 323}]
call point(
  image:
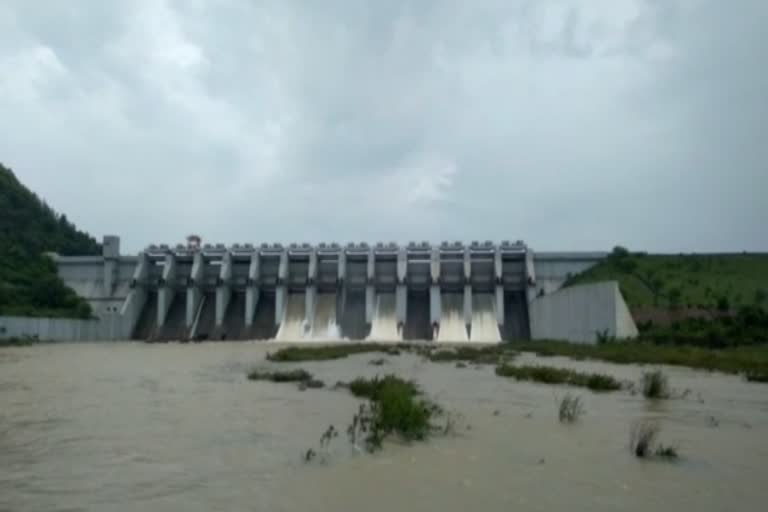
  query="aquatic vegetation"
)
[
  {"x": 570, "y": 409},
  {"x": 393, "y": 408},
  {"x": 642, "y": 438},
  {"x": 552, "y": 375},
  {"x": 328, "y": 352},
  {"x": 491, "y": 354},
  {"x": 757, "y": 377},
  {"x": 297, "y": 375},
  {"x": 729, "y": 360},
  {"x": 655, "y": 385}
]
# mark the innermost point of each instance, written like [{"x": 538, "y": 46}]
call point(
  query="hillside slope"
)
[
  {"x": 29, "y": 228},
  {"x": 703, "y": 281}
]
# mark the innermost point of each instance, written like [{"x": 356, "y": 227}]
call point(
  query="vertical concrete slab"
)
[
  {"x": 500, "y": 305},
  {"x": 370, "y": 303},
  {"x": 370, "y": 293},
  {"x": 401, "y": 303},
  {"x": 252, "y": 288},
  {"x": 224, "y": 288},
  {"x": 467, "y": 304},
  {"x": 166, "y": 288},
  {"x": 435, "y": 305},
  {"x": 111, "y": 253},
  {"x": 194, "y": 293},
  {"x": 310, "y": 303},
  {"x": 281, "y": 292}
]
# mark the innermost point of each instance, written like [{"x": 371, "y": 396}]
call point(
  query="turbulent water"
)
[
  {"x": 384, "y": 322},
  {"x": 128, "y": 426},
  {"x": 453, "y": 328},
  {"x": 324, "y": 327},
  {"x": 485, "y": 327},
  {"x": 294, "y": 324}
]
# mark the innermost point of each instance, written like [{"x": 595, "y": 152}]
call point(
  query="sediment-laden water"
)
[{"x": 129, "y": 426}]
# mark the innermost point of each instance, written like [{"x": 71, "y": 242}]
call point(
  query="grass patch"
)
[
  {"x": 478, "y": 355},
  {"x": 757, "y": 377},
  {"x": 328, "y": 352},
  {"x": 749, "y": 359},
  {"x": 373, "y": 388},
  {"x": 672, "y": 280},
  {"x": 552, "y": 375},
  {"x": 570, "y": 409},
  {"x": 297, "y": 375},
  {"x": 15, "y": 341},
  {"x": 655, "y": 385},
  {"x": 394, "y": 408},
  {"x": 642, "y": 441}
]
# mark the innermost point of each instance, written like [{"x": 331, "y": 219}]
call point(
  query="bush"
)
[
  {"x": 570, "y": 409},
  {"x": 372, "y": 388},
  {"x": 551, "y": 375},
  {"x": 655, "y": 385},
  {"x": 393, "y": 409}
]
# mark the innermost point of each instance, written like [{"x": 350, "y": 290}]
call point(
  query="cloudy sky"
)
[{"x": 571, "y": 124}]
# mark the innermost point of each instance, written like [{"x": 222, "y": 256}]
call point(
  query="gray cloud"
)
[{"x": 573, "y": 124}]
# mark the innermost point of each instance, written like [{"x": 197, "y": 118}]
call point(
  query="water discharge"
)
[
  {"x": 485, "y": 327},
  {"x": 384, "y": 323},
  {"x": 166, "y": 427},
  {"x": 294, "y": 324},
  {"x": 453, "y": 328},
  {"x": 324, "y": 326}
]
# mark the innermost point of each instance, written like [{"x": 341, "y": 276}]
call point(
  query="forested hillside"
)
[{"x": 29, "y": 228}]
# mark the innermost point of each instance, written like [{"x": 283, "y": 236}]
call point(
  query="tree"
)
[
  {"x": 760, "y": 296},
  {"x": 723, "y": 304},
  {"x": 674, "y": 297}
]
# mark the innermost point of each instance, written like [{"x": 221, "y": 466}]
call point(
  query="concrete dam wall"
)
[{"x": 451, "y": 292}]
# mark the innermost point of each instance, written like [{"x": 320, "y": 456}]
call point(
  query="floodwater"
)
[{"x": 129, "y": 426}]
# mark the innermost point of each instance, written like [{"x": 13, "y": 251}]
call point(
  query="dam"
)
[{"x": 481, "y": 292}]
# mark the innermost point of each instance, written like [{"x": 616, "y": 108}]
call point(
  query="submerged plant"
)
[
  {"x": 655, "y": 385},
  {"x": 393, "y": 408},
  {"x": 297, "y": 375},
  {"x": 570, "y": 409},
  {"x": 552, "y": 375},
  {"x": 642, "y": 439}
]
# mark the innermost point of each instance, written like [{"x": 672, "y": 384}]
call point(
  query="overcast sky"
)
[{"x": 571, "y": 124}]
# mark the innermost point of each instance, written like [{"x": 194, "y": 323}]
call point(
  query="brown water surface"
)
[{"x": 129, "y": 426}]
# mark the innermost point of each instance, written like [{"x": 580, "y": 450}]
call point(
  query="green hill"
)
[
  {"x": 29, "y": 228},
  {"x": 704, "y": 281}
]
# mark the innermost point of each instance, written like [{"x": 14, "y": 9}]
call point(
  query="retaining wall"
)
[{"x": 578, "y": 313}]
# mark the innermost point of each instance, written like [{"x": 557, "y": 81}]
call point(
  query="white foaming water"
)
[
  {"x": 324, "y": 327},
  {"x": 384, "y": 323},
  {"x": 294, "y": 324},
  {"x": 452, "y": 326},
  {"x": 485, "y": 328}
]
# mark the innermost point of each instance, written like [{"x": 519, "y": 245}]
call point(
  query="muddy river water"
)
[{"x": 129, "y": 426}]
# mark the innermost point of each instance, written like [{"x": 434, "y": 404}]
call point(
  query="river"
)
[{"x": 131, "y": 426}]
